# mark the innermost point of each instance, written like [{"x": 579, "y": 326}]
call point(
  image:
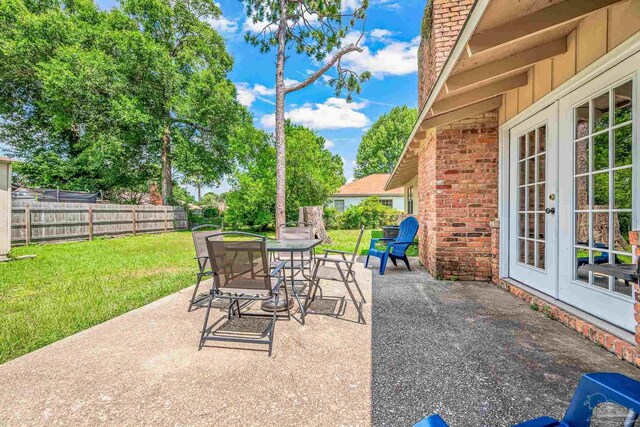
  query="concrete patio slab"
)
[
  {"x": 144, "y": 368},
  {"x": 472, "y": 352}
]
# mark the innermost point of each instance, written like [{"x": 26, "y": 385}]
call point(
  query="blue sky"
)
[{"x": 391, "y": 44}]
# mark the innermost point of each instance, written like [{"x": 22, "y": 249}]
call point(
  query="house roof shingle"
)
[{"x": 372, "y": 185}]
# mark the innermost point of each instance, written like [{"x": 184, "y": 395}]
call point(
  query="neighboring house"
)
[
  {"x": 373, "y": 185},
  {"x": 524, "y": 162}
]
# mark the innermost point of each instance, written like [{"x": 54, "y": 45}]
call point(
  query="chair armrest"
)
[
  {"x": 335, "y": 251},
  {"x": 200, "y": 257},
  {"x": 278, "y": 268},
  {"x": 336, "y": 260},
  {"x": 402, "y": 243}
]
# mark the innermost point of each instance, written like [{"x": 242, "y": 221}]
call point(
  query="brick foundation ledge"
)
[{"x": 616, "y": 345}]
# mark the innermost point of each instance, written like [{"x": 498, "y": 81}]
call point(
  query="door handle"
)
[{"x": 550, "y": 211}]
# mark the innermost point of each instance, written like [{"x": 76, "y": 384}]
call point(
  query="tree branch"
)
[{"x": 315, "y": 76}]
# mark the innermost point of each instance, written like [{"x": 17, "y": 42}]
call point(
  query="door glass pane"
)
[
  {"x": 521, "y": 250},
  {"x": 582, "y": 156},
  {"x": 623, "y": 98},
  {"x": 531, "y": 226},
  {"x": 541, "y": 197},
  {"x": 582, "y": 229},
  {"x": 531, "y": 206},
  {"x": 541, "y": 255},
  {"x": 522, "y": 147},
  {"x": 582, "y": 121},
  {"x": 521, "y": 224},
  {"x": 601, "y": 191},
  {"x": 601, "y": 151},
  {"x": 622, "y": 188},
  {"x": 600, "y": 230},
  {"x": 522, "y": 173},
  {"x": 542, "y": 139},
  {"x": 623, "y": 143},
  {"x": 582, "y": 259},
  {"x": 600, "y": 107},
  {"x": 541, "y": 225},
  {"x": 531, "y": 140},
  {"x": 623, "y": 287},
  {"x": 621, "y": 228},
  {"x": 582, "y": 193},
  {"x": 531, "y": 252},
  {"x": 531, "y": 166},
  {"x": 542, "y": 159}
]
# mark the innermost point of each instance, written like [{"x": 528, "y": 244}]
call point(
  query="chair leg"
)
[
  {"x": 358, "y": 305},
  {"x": 273, "y": 325},
  {"x": 195, "y": 291},
  {"x": 393, "y": 260},
  {"x": 286, "y": 297},
  {"x": 383, "y": 263},
  {"x": 366, "y": 262},
  {"x": 358, "y": 287},
  {"x": 206, "y": 320},
  {"x": 406, "y": 261}
]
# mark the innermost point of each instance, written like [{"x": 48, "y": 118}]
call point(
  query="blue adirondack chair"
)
[
  {"x": 396, "y": 248},
  {"x": 593, "y": 389}
]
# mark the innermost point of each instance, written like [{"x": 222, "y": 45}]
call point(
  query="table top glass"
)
[{"x": 291, "y": 245}]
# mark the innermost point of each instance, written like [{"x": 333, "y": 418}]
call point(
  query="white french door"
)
[
  {"x": 532, "y": 219},
  {"x": 598, "y": 182}
]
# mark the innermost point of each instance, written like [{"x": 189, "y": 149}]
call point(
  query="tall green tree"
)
[
  {"x": 382, "y": 144},
  {"x": 313, "y": 173},
  {"x": 97, "y": 100},
  {"x": 317, "y": 29},
  {"x": 196, "y": 106}
]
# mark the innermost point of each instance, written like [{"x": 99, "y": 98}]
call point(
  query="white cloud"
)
[
  {"x": 290, "y": 82},
  {"x": 263, "y": 90},
  {"x": 334, "y": 113},
  {"x": 397, "y": 58},
  {"x": 222, "y": 24},
  {"x": 380, "y": 33},
  {"x": 247, "y": 94},
  {"x": 329, "y": 144}
]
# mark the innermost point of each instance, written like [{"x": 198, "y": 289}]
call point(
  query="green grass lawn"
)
[{"x": 69, "y": 287}]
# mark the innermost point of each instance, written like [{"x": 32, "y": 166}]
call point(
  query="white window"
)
[
  {"x": 339, "y": 205},
  {"x": 410, "y": 200},
  {"x": 387, "y": 202}
]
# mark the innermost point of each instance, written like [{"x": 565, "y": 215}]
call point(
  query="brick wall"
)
[
  {"x": 458, "y": 181},
  {"x": 495, "y": 251},
  {"x": 446, "y": 20}
]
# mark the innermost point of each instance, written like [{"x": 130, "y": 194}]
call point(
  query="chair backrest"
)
[
  {"x": 199, "y": 234},
  {"x": 355, "y": 251},
  {"x": 296, "y": 231},
  {"x": 239, "y": 261},
  {"x": 408, "y": 230}
]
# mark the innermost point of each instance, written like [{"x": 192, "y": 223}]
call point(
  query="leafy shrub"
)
[
  {"x": 332, "y": 218},
  {"x": 370, "y": 212}
]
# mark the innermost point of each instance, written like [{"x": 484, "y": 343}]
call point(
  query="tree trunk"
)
[
  {"x": 314, "y": 215},
  {"x": 199, "y": 188},
  {"x": 280, "y": 137},
  {"x": 167, "y": 185}
]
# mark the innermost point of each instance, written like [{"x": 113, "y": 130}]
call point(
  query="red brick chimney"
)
[{"x": 441, "y": 24}]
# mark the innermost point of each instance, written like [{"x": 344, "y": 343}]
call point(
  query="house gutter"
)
[{"x": 477, "y": 10}]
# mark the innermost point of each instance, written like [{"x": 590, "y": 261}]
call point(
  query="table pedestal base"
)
[{"x": 283, "y": 305}]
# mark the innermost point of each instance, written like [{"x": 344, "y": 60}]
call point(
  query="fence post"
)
[
  {"x": 133, "y": 225},
  {"x": 166, "y": 225},
  {"x": 90, "y": 222},
  {"x": 27, "y": 225}
]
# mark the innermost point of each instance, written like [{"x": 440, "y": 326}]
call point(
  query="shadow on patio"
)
[{"x": 471, "y": 352}]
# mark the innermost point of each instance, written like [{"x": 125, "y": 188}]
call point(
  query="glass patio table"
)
[{"x": 292, "y": 247}]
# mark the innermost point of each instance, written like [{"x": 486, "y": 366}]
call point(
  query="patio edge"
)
[{"x": 623, "y": 349}]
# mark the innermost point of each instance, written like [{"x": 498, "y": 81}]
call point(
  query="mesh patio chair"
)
[
  {"x": 199, "y": 234},
  {"x": 338, "y": 268},
  {"x": 296, "y": 231},
  {"x": 241, "y": 272}
]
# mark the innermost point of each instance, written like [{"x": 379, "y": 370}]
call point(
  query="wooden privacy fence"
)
[{"x": 39, "y": 222}]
